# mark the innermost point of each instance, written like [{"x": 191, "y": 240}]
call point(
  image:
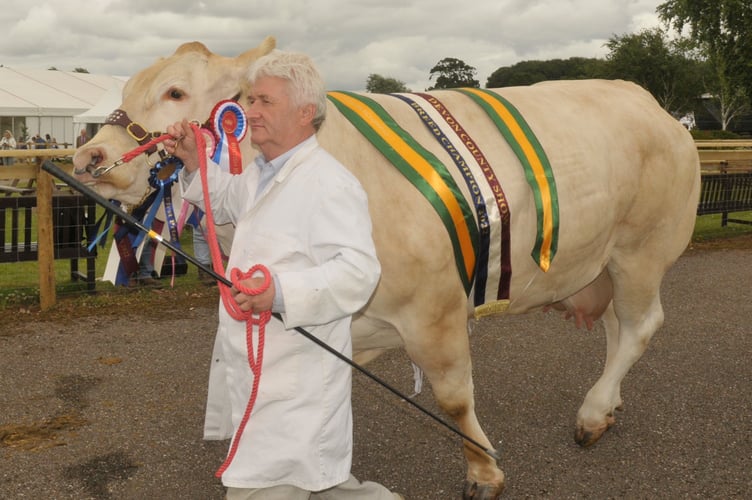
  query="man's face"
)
[{"x": 276, "y": 123}]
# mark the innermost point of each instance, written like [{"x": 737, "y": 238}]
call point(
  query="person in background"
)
[
  {"x": 203, "y": 254},
  {"x": 299, "y": 212},
  {"x": 82, "y": 138},
  {"x": 22, "y": 143},
  {"x": 145, "y": 276},
  {"x": 51, "y": 142},
  {"x": 6, "y": 143}
]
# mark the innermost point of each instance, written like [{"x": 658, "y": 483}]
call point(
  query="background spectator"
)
[
  {"x": 8, "y": 142},
  {"x": 39, "y": 142},
  {"x": 82, "y": 138}
]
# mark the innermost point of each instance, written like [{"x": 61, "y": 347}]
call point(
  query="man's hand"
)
[
  {"x": 183, "y": 144},
  {"x": 254, "y": 303}
]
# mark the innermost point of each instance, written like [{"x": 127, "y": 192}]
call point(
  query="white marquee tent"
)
[
  {"x": 106, "y": 104},
  {"x": 46, "y": 101}
]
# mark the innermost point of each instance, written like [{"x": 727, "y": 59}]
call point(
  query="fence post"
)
[
  {"x": 45, "y": 241},
  {"x": 726, "y": 197}
]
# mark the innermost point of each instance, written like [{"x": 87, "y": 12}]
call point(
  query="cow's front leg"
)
[{"x": 443, "y": 352}]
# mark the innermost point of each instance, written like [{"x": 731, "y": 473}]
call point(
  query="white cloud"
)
[{"x": 348, "y": 39}]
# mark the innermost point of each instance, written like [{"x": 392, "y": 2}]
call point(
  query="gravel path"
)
[{"x": 103, "y": 408}]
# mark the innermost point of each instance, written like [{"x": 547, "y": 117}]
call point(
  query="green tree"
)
[
  {"x": 720, "y": 30},
  {"x": 663, "y": 67},
  {"x": 80, "y": 70},
  {"x": 453, "y": 73},
  {"x": 377, "y": 84},
  {"x": 530, "y": 72},
  {"x": 727, "y": 93}
]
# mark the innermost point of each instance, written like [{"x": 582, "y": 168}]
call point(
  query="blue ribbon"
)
[{"x": 163, "y": 186}]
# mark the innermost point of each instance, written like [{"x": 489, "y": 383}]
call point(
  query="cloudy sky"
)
[{"x": 348, "y": 39}]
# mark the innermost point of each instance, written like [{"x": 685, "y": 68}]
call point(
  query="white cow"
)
[{"x": 626, "y": 178}]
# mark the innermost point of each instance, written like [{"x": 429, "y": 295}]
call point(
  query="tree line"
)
[{"x": 702, "y": 49}]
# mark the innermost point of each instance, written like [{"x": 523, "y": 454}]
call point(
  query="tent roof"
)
[
  {"x": 106, "y": 104},
  {"x": 35, "y": 92}
]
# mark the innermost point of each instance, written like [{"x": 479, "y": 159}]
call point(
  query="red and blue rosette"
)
[
  {"x": 230, "y": 126},
  {"x": 222, "y": 133}
]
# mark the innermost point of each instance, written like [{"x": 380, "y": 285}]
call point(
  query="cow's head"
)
[{"x": 185, "y": 85}]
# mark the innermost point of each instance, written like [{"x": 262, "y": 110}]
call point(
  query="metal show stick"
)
[{"x": 54, "y": 170}]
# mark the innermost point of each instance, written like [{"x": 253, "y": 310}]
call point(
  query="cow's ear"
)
[{"x": 266, "y": 46}]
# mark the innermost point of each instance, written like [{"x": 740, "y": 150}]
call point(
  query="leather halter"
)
[
  {"x": 137, "y": 132},
  {"x": 134, "y": 129}
]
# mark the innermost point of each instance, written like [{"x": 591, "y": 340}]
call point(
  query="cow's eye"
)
[{"x": 176, "y": 94}]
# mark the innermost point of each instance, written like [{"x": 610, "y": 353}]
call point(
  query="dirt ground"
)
[{"x": 106, "y": 401}]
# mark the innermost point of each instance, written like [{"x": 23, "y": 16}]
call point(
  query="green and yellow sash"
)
[
  {"x": 431, "y": 177},
  {"x": 422, "y": 169},
  {"x": 535, "y": 163}
]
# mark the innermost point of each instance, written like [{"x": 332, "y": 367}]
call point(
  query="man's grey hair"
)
[{"x": 306, "y": 84}]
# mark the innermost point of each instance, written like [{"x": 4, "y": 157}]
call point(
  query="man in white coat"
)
[{"x": 301, "y": 214}]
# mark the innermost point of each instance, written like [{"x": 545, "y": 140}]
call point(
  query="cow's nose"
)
[{"x": 85, "y": 161}]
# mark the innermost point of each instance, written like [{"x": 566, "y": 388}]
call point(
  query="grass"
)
[
  {"x": 708, "y": 227},
  {"x": 19, "y": 281}
]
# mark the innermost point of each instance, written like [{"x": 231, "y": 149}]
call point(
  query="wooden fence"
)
[
  {"x": 26, "y": 178},
  {"x": 726, "y": 167},
  {"x": 725, "y": 156},
  {"x": 726, "y": 178}
]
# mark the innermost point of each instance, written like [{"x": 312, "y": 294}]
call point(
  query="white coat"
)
[{"x": 310, "y": 227}]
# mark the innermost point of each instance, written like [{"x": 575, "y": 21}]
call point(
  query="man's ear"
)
[{"x": 307, "y": 113}]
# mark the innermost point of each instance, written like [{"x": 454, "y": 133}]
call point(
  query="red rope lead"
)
[
  {"x": 255, "y": 356},
  {"x": 127, "y": 157}
]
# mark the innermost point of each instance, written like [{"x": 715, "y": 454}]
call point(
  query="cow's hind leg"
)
[
  {"x": 631, "y": 320},
  {"x": 443, "y": 353},
  {"x": 611, "y": 325}
]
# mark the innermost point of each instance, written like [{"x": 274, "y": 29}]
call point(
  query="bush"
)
[{"x": 704, "y": 135}]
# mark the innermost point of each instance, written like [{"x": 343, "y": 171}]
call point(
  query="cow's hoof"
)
[
  {"x": 475, "y": 491},
  {"x": 587, "y": 437}
]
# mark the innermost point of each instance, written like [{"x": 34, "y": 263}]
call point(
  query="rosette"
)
[{"x": 230, "y": 126}]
